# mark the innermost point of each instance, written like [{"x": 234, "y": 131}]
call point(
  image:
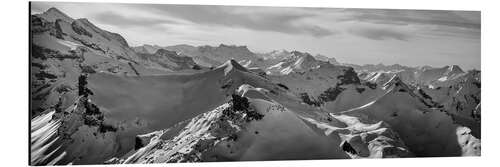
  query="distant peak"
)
[
  {"x": 231, "y": 65},
  {"x": 456, "y": 68},
  {"x": 54, "y": 10},
  {"x": 236, "y": 65},
  {"x": 395, "y": 82},
  {"x": 52, "y": 14},
  {"x": 232, "y": 46},
  {"x": 395, "y": 78},
  {"x": 425, "y": 67},
  {"x": 301, "y": 54},
  {"x": 165, "y": 52}
]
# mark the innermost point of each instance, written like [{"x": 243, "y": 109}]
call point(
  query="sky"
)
[{"x": 359, "y": 36}]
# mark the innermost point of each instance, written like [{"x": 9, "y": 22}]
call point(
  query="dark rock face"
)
[
  {"x": 370, "y": 85},
  {"x": 80, "y": 30},
  {"x": 138, "y": 143},
  {"x": 58, "y": 30},
  {"x": 283, "y": 86},
  {"x": 349, "y": 77},
  {"x": 40, "y": 25},
  {"x": 421, "y": 92},
  {"x": 330, "y": 94},
  {"x": 348, "y": 148},
  {"x": 306, "y": 99},
  {"x": 360, "y": 90},
  {"x": 241, "y": 104},
  {"x": 82, "y": 86}
]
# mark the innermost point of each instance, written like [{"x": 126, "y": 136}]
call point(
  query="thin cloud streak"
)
[
  {"x": 425, "y": 17},
  {"x": 119, "y": 20},
  {"x": 379, "y": 34}
]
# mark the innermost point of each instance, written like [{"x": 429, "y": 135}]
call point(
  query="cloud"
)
[
  {"x": 260, "y": 19},
  {"x": 318, "y": 31},
  {"x": 115, "y": 19},
  {"x": 379, "y": 33},
  {"x": 461, "y": 19}
]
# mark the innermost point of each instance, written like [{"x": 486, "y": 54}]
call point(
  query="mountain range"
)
[{"x": 95, "y": 100}]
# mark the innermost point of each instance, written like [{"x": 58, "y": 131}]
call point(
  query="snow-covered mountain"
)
[
  {"x": 148, "y": 49},
  {"x": 158, "y": 94},
  {"x": 414, "y": 75},
  {"x": 378, "y": 67},
  {"x": 97, "y": 100},
  {"x": 169, "y": 60},
  {"x": 331, "y": 60},
  {"x": 275, "y": 62},
  {"x": 63, "y": 48},
  {"x": 208, "y": 56},
  {"x": 418, "y": 120},
  {"x": 461, "y": 98},
  {"x": 256, "y": 127}
]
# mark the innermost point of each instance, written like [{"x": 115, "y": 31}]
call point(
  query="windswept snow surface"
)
[{"x": 44, "y": 135}]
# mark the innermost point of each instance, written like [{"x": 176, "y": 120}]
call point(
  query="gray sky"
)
[{"x": 359, "y": 36}]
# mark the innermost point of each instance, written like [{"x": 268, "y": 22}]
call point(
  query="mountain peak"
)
[
  {"x": 224, "y": 47},
  {"x": 236, "y": 65},
  {"x": 331, "y": 60},
  {"x": 425, "y": 67},
  {"x": 231, "y": 65},
  {"x": 54, "y": 10},
  {"x": 456, "y": 69},
  {"x": 302, "y": 54},
  {"x": 52, "y": 14},
  {"x": 233, "y": 46},
  {"x": 395, "y": 82}
]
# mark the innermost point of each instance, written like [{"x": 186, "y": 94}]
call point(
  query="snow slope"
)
[
  {"x": 152, "y": 103},
  {"x": 426, "y": 130},
  {"x": 282, "y": 133}
]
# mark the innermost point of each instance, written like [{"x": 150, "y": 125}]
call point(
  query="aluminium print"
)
[{"x": 115, "y": 83}]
